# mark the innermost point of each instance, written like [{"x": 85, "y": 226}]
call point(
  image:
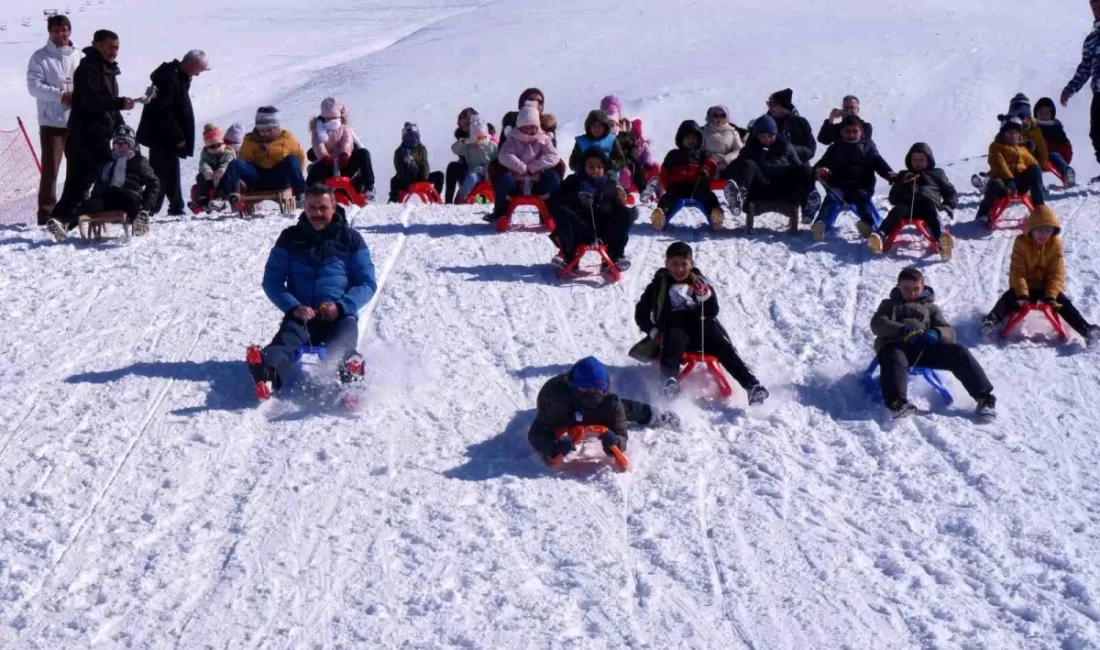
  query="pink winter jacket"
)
[
  {"x": 528, "y": 155},
  {"x": 331, "y": 143}
]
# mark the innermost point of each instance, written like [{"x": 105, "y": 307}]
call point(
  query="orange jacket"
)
[
  {"x": 1035, "y": 266},
  {"x": 1007, "y": 161}
]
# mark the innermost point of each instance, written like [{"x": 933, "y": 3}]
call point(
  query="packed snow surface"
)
[{"x": 146, "y": 501}]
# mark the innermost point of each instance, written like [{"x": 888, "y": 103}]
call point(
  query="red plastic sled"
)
[
  {"x": 579, "y": 433},
  {"x": 505, "y": 222},
  {"x": 345, "y": 192},
  {"x": 1051, "y": 170},
  {"x": 690, "y": 359},
  {"x": 1048, "y": 311},
  {"x": 583, "y": 250},
  {"x": 891, "y": 239},
  {"x": 483, "y": 189},
  {"x": 423, "y": 190},
  {"x": 1002, "y": 204}
]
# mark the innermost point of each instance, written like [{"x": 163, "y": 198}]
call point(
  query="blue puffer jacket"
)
[{"x": 309, "y": 267}]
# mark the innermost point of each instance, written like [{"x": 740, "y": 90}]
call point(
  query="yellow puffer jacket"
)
[
  {"x": 1035, "y": 134},
  {"x": 1006, "y": 161},
  {"x": 266, "y": 155},
  {"x": 1038, "y": 266}
]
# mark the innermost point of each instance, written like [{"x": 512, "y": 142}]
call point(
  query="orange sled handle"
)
[{"x": 580, "y": 432}]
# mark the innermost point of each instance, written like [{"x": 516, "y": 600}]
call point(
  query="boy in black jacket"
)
[
  {"x": 591, "y": 204},
  {"x": 767, "y": 169},
  {"x": 126, "y": 184},
  {"x": 848, "y": 171},
  {"x": 678, "y": 312},
  {"x": 583, "y": 396},
  {"x": 686, "y": 174},
  {"x": 919, "y": 194}
]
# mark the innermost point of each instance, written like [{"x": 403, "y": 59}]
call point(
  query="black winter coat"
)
[
  {"x": 775, "y": 159},
  {"x": 799, "y": 133},
  {"x": 604, "y": 191},
  {"x": 169, "y": 118},
  {"x": 853, "y": 166},
  {"x": 559, "y": 408},
  {"x": 140, "y": 181},
  {"x": 832, "y": 133},
  {"x": 96, "y": 111},
  {"x": 932, "y": 183},
  {"x": 656, "y": 309}
]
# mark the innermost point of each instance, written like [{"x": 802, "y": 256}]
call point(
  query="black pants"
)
[
  {"x": 399, "y": 184},
  {"x": 896, "y": 358},
  {"x": 1094, "y": 125},
  {"x": 788, "y": 184},
  {"x": 573, "y": 228},
  {"x": 924, "y": 209},
  {"x": 340, "y": 338},
  {"x": 1030, "y": 180},
  {"x": 699, "y": 191},
  {"x": 456, "y": 173},
  {"x": 166, "y": 165},
  {"x": 82, "y": 168},
  {"x": 359, "y": 170},
  {"x": 543, "y": 439},
  {"x": 1006, "y": 304},
  {"x": 113, "y": 198},
  {"x": 709, "y": 337}
]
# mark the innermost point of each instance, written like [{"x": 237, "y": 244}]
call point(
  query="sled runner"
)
[
  {"x": 921, "y": 227},
  {"x": 578, "y": 434},
  {"x": 1052, "y": 317},
  {"x": 481, "y": 193},
  {"x": 572, "y": 266},
  {"x": 422, "y": 191},
  {"x": 545, "y": 220},
  {"x": 1002, "y": 204},
  {"x": 93, "y": 227},
  {"x": 283, "y": 198},
  {"x": 691, "y": 359},
  {"x": 345, "y": 192}
]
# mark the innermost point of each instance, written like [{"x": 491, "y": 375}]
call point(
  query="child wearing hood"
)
[
  {"x": 334, "y": 143},
  {"x": 910, "y": 330},
  {"x": 410, "y": 162},
  {"x": 686, "y": 174},
  {"x": 612, "y": 107},
  {"x": 582, "y": 396},
  {"x": 679, "y": 313},
  {"x": 1059, "y": 148},
  {"x": 598, "y": 132},
  {"x": 919, "y": 194},
  {"x": 527, "y": 158},
  {"x": 213, "y": 163},
  {"x": 1037, "y": 273},
  {"x": 458, "y": 169},
  {"x": 1012, "y": 168},
  {"x": 591, "y": 204},
  {"x": 477, "y": 151},
  {"x": 126, "y": 184},
  {"x": 721, "y": 140},
  {"x": 644, "y": 173}
]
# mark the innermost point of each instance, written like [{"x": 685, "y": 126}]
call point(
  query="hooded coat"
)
[
  {"x": 722, "y": 143},
  {"x": 932, "y": 183},
  {"x": 774, "y": 159},
  {"x": 608, "y": 143},
  {"x": 528, "y": 155},
  {"x": 894, "y": 315},
  {"x": 1035, "y": 266},
  {"x": 139, "y": 181},
  {"x": 1007, "y": 160},
  {"x": 332, "y": 143},
  {"x": 96, "y": 112},
  {"x": 683, "y": 165},
  {"x": 797, "y": 131},
  {"x": 853, "y": 165},
  {"x": 604, "y": 190},
  {"x": 559, "y": 407},
  {"x": 169, "y": 119},
  {"x": 49, "y": 76},
  {"x": 1053, "y": 132},
  {"x": 266, "y": 155}
]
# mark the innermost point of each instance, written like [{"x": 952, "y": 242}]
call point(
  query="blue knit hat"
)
[
  {"x": 590, "y": 374},
  {"x": 765, "y": 125}
]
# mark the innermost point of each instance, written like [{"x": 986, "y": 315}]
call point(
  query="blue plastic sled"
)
[
  {"x": 319, "y": 350},
  {"x": 680, "y": 204},
  {"x": 841, "y": 206},
  {"x": 930, "y": 375}
]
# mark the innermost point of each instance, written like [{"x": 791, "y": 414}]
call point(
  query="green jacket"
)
[
  {"x": 894, "y": 315},
  {"x": 420, "y": 157}
]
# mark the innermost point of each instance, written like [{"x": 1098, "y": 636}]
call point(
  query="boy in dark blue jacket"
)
[
  {"x": 319, "y": 274},
  {"x": 847, "y": 170}
]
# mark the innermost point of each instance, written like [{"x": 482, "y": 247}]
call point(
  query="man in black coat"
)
[
  {"x": 768, "y": 169},
  {"x": 93, "y": 121},
  {"x": 796, "y": 130},
  {"x": 167, "y": 125},
  {"x": 831, "y": 131}
]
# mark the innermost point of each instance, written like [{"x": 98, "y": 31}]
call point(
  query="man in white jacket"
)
[{"x": 50, "y": 81}]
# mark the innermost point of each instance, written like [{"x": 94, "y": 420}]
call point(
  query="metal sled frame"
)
[
  {"x": 931, "y": 376},
  {"x": 600, "y": 249},
  {"x": 1002, "y": 204},
  {"x": 93, "y": 227},
  {"x": 1052, "y": 317},
  {"x": 921, "y": 227},
  {"x": 505, "y": 222}
]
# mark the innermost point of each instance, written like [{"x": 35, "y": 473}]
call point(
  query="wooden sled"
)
[
  {"x": 788, "y": 209},
  {"x": 284, "y": 198},
  {"x": 93, "y": 226}
]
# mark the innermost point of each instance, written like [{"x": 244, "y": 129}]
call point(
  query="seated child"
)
[
  {"x": 1012, "y": 169},
  {"x": 334, "y": 144},
  {"x": 234, "y": 136},
  {"x": 1059, "y": 148},
  {"x": 919, "y": 194},
  {"x": 910, "y": 330},
  {"x": 597, "y": 133},
  {"x": 686, "y": 174},
  {"x": 458, "y": 169},
  {"x": 591, "y": 204},
  {"x": 583, "y": 396},
  {"x": 644, "y": 173},
  {"x": 612, "y": 107},
  {"x": 213, "y": 163},
  {"x": 527, "y": 158},
  {"x": 1020, "y": 108},
  {"x": 848, "y": 171},
  {"x": 270, "y": 159},
  {"x": 767, "y": 169},
  {"x": 721, "y": 140},
  {"x": 1037, "y": 273},
  {"x": 410, "y": 163},
  {"x": 476, "y": 151},
  {"x": 127, "y": 184},
  {"x": 670, "y": 311}
]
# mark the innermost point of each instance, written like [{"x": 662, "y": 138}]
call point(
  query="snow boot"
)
[
  {"x": 671, "y": 387},
  {"x": 947, "y": 246},
  {"x": 623, "y": 264},
  {"x": 989, "y": 327},
  {"x": 649, "y": 192},
  {"x": 260, "y": 373},
  {"x": 733, "y": 197},
  {"x": 757, "y": 394},
  {"x": 1094, "y": 179},
  {"x": 141, "y": 224},
  {"x": 874, "y": 242},
  {"x": 987, "y": 407},
  {"x": 657, "y": 218},
  {"x": 818, "y": 230},
  {"x": 717, "y": 218},
  {"x": 353, "y": 369},
  {"x": 864, "y": 229},
  {"x": 979, "y": 181},
  {"x": 902, "y": 409},
  {"x": 56, "y": 229},
  {"x": 1092, "y": 336},
  {"x": 1071, "y": 177},
  {"x": 559, "y": 261},
  {"x": 813, "y": 205}
]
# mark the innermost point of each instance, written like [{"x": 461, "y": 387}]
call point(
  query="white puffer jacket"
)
[
  {"x": 722, "y": 143},
  {"x": 50, "y": 75}
]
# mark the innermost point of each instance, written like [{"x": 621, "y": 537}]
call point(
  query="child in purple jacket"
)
[{"x": 528, "y": 157}]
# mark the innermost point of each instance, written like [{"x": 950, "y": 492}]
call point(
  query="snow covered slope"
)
[{"x": 145, "y": 501}]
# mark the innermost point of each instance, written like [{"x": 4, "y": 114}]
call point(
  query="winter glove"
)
[
  {"x": 208, "y": 175},
  {"x": 564, "y": 446},
  {"x": 1053, "y": 302},
  {"x": 344, "y": 159},
  {"x": 327, "y": 160},
  {"x": 1022, "y": 301},
  {"x": 1010, "y": 185},
  {"x": 910, "y": 334},
  {"x": 930, "y": 337},
  {"x": 585, "y": 199},
  {"x": 609, "y": 440},
  {"x": 700, "y": 289}
]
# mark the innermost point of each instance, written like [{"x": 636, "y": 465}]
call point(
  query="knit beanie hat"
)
[
  {"x": 1019, "y": 106},
  {"x": 528, "y": 116},
  {"x": 410, "y": 135},
  {"x": 331, "y": 109},
  {"x": 235, "y": 133},
  {"x": 1012, "y": 124},
  {"x": 678, "y": 249},
  {"x": 611, "y": 105},
  {"x": 478, "y": 127},
  {"x": 590, "y": 374},
  {"x": 124, "y": 134},
  {"x": 211, "y": 135},
  {"x": 267, "y": 117},
  {"x": 784, "y": 98},
  {"x": 765, "y": 125}
]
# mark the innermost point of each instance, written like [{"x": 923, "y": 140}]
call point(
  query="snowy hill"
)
[{"x": 147, "y": 502}]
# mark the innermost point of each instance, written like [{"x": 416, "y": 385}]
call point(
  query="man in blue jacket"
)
[{"x": 320, "y": 275}]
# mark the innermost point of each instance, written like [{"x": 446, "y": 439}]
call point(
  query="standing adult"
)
[
  {"x": 50, "y": 82},
  {"x": 94, "y": 118},
  {"x": 167, "y": 125},
  {"x": 1089, "y": 68}
]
